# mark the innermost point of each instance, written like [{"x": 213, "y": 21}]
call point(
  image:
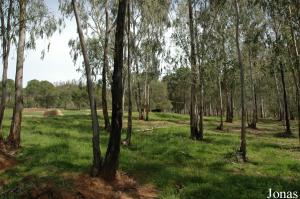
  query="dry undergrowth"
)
[
  {"x": 54, "y": 112},
  {"x": 6, "y": 161},
  {"x": 86, "y": 187}
]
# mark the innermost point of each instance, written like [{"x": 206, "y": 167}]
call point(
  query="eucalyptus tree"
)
[
  {"x": 153, "y": 21},
  {"x": 111, "y": 161},
  {"x": 34, "y": 19},
  {"x": 254, "y": 40},
  {"x": 14, "y": 137},
  {"x": 7, "y": 19},
  {"x": 193, "y": 108},
  {"x": 95, "y": 123},
  {"x": 241, "y": 65},
  {"x": 276, "y": 23},
  {"x": 98, "y": 23},
  {"x": 108, "y": 30},
  {"x": 129, "y": 42},
  {"x": 293, "y": 15}
]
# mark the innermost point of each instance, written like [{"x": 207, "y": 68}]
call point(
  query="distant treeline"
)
[{"x": 73, "y": 95}]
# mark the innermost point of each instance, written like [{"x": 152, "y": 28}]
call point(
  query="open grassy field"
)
[{"x": 164, "y": 156}]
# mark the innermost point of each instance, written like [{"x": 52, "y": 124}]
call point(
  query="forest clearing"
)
[
  {"x": 56, "y": 150},
  {"x": 144, "y": 99}
]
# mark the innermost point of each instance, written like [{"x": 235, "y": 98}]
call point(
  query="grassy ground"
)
[{"x": 165, "y": 157}]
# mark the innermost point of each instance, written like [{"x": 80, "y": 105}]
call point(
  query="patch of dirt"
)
[
  {"x": 123, "y": 187},
  {"x": 6, "y": 161},
  {"x": 86, "y": 187}
]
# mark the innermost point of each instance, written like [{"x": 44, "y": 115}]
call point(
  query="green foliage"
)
[
  {"x": 45, "y": 94},
  {"x": 10, "y": 92},
  {"x": 159, "y": 96},
  {"x": 178, "y": 84},
  {"x": 41, "y": 94}
]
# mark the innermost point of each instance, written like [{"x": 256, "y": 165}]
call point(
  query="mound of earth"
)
[
  {"x": 86, "y": 187},
  {"x": 54, "y": 112}
]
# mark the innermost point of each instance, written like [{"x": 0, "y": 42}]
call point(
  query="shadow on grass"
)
[{"x": 284, "y": 135}]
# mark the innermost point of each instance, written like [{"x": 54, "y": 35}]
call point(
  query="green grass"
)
[{"x": 165, "y": 157}]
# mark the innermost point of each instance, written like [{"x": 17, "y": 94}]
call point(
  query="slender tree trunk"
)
[
  {"x": 279, "y": 98},
  {"x": 14, "y": 137},
  {"x": 139, "y": 95},
  {"x": 6, "y": 43},
  {"x": 124, "y": 87},
  {"x": 111, "y": 162},
  {"x": 253, "y": 121},
  {"x": 146, "y": 94},
  {"x": 227, "y": 96},
  {"x": 297, "y": 100},
  {"x": 136, "y": 101},
  {"x": 285, "y": 100},
  {"x": 210, "y": 109},
  {"x": 243, "y": 113},
  {"x": 262, "y": 115},
  {"x": 231, "y": 105},
  {"x": 201, "y": 78},
  {"x": 193, "y": 111},
  {"x": 95, "y": 123},
  {"x": 297, "y": 66},
  {"x": 148, "y": 102},
  {"x": 138, "y": 92},
  {"x": 129, "y": 126},
  {"x": 221, "y": 126},
  {"x": 104, "y": 71}
]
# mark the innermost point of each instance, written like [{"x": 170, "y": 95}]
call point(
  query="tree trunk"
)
[
  {"x": 129, "y": 126},
  {"x": 262, "y": 115},
  {"x": 297, "y": 100},
  {"x": 285, "y": 101},
  {"x": 193, "y": 112},
  {"x": 138, "y": 92},
  {"x": 201, "y": 78},
  {"x": 6, "y": 43},
  {"x": 95, "y": 123},
  {"x": 210, "y": 112},
  {"x": 147, "y": 102},
  {"x": 243, "y": 113},
  {"x": 104, "y": 70},
  {"x": 14, "y": 137},
  {"x": 227, "y": 96},
  {"x": 231, "y": 105},
  {"x": 253, "y": 120},
  {"x": 111, "y": 162},
  {"x": 280, "y": 113},
  {"x": 297, "y": 66},
  {"x": 221, "y": 126}
]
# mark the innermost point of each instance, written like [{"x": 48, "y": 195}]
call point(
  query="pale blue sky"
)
[{"x": 57, "y": 64}]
